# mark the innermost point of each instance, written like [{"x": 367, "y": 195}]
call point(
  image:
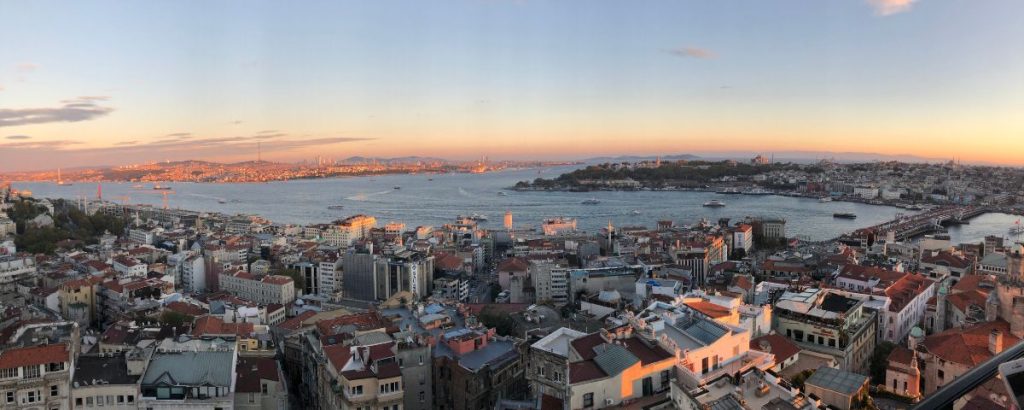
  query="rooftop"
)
[{"x": 836, "y": 380}]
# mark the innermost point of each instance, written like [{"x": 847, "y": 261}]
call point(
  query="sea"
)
[{"x": 436, "y": 199}]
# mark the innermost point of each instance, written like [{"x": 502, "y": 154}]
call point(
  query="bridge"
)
[{"x": 909, "y": 226}]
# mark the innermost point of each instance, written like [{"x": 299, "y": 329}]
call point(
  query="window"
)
[
  {"x": 894, "y": 384},
  {"x": 88, "y": 401},
  {"x": 831, "y": 342},
  {"x": 30, "y": 372},
  {"x": 357, "y": 390},
  {"x": 264, "y": 389},
  {"x": 665, "y": 376},
  {"x": 10, "y": 397},
  {"x": 252, "y": 397},
  {"x": 54, "y": 390},
  {"x": 821, "y": 340},
  {"x": 78, "y": 402},
  {"x": 120, "y": 399},
  {"x": 55, "y": 367},
  {"x": 588, "y": 400},
  {"x": 32, "y": 395},
  {"x": 8, "y": 373},
  {"x": 423, "y": 397},
  {"x": 942, "y": 375},
  {"x": 131, "y": 399}
]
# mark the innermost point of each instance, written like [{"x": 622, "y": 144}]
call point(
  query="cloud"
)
[
  {"x": 26, "y": 67},
  {"x": 18, "y": 137},
  {"x": 691, "y": 52},
  {"x": 46, "y": 145},
  {"x": 890, "y": 7},
  {"x": 74, "y": 110}
]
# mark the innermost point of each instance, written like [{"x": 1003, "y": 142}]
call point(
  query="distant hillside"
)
[{"x": 637, "y": 158}]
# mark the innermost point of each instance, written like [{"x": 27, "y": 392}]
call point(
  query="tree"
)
[
  {"x": 495, "y": 290},
  {"x": 880, "y": 361},
  {"x": 800, "y": 378},
  {"x": 300, "y": 281},
  {"x": 502, "y": 323},
  {"x": 176, "y": 319}
]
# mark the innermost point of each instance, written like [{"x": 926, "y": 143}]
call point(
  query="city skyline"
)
[{"x": 97, "y": 84}]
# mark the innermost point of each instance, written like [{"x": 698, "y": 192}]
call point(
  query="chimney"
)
[{"x": 995, "y": 342}]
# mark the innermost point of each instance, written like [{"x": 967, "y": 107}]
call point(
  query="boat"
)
[
  {"x": 757, "y": 191},
  {"x": 714, "y": 203},
  {"x": 728, "y": 191},
  {"x": 634, "y": 212},
  {"x": 397, "y": 187},
  {"x": 844, "y": 215},
  {"x": 335, "y": 207},
  {"x": 915, "y": 207},
  {"x": 1017, "y": 230},
  {"x": 825, "y": 199},
  {"x": 478, "y": 217},
  {"x": 591, "y": 201},
  {"x": 221, "y": 201},
  {"x": 502, "y": 193},
  {"x": 159, "y": 187}
]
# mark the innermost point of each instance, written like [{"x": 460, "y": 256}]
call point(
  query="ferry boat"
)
[
  {"x": 478, "y": 217},
  {"x": 825, "y": 199},
  {"x": 728, "y": 191},
  {"x": 714, "y": 203},
  {"x": 159, "y": 187},
  {"x": 757, "y": 191},
  {"x": 591, "y": 201},
  {"x": 844, "y": 215}
]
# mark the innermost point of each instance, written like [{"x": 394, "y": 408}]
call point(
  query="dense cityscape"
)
[
  {"x": 136, "y": 306},
  {"x": 265, "y": 171},
  {"x": 511, "y": 205}
]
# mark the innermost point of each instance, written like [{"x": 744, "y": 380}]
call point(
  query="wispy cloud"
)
[
  {"x": 74, "y": 110},
  {"x": 691, "y": 52},
  {"x": 46, "y": 145},
  {"x": 890, "y": 7},
  {"x": 26, "y": 67},
  {"x": 17, "y": 137}
]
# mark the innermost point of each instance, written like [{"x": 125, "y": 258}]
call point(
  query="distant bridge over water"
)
[{"x": 908, "y": 226}]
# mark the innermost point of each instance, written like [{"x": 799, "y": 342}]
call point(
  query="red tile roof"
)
[
  {"x": 211, "y": 325},
  {"x": 646, "y": 354},
  {"x": 338, "y": 355},
  {"x": 584, "y": 346},
  {"x": 251, "y": 371},
  {"x": 946, "y": 259},
  {"x": 35, "y": 355},
  {"x": 968, "y": 346},
  {"x": 584, "y": 371},
  {"x": 710, "y": 309},
  {"x": 513, "y": 265},
  {"x": 361, "y": 321},
  {"x": 901, "y": 355},
  {"x": 776, "y": 344},
  {"x": 296, "y": 322}
]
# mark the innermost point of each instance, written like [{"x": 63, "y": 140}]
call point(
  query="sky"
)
[{"x": 112, "y": 83}]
